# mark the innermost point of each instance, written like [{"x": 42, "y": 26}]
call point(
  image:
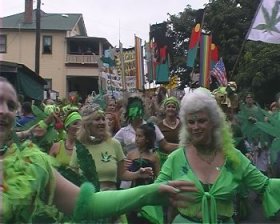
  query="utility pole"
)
[{"x": 38, "y": 37}]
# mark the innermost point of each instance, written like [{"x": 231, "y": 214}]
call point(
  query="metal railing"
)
[{"x": 82, "y": 59}]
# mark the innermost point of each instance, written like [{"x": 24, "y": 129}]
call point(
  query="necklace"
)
[
  {"x": 209, "y": 159},
  {"x": 170, "y": 124}
]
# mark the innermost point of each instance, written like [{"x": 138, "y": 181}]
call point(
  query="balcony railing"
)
[{"x": 82, "y": 59}]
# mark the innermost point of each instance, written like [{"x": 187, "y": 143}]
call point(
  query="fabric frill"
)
[{"x": 27, "y": 175}]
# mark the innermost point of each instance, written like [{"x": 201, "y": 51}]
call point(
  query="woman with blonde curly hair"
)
[{"x": 105, "y": 152}]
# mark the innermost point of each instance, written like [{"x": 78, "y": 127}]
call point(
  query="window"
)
[
  {"x": 48, "y": 85},
  {"x": 3, "y": 43},
  {"x": 47, "y": 44}
]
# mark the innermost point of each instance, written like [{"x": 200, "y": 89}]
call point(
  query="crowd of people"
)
[{"x": 140, "y": 159}]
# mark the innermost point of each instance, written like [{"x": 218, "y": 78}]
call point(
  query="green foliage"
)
[{"x": 259, "y": 71}]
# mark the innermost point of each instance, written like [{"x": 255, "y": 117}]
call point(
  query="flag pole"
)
[
  {"x": 237, "y": 60},
  {"x": 244, "y": 41}
]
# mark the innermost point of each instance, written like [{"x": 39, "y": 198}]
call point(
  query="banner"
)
[
  {"x": 139, "y": 61},
  {"x": 266, "y": 24},
  {"x": 112, "y": 82},
  {"x": 160, "y": 52}
]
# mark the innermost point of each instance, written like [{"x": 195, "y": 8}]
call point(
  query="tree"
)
[
  {"x": 259, "y": 71},
  {"x": 257, "y": 67}
]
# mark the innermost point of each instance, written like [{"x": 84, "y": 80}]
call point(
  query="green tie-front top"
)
[{"x": 218, "y": 201}]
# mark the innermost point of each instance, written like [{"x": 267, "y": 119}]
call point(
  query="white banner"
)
[
  {"x": 113, "y": 82},
  {"x": 266, "y": 25}
]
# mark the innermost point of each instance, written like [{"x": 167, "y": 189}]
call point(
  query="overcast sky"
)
[{"x": 111, "y": 19}]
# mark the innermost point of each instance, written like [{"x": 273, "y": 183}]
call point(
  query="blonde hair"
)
[{"x": 88, "y": 115}]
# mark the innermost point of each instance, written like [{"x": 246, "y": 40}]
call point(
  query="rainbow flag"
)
[
  {"x": 139, "y": 62},
  {"x": 193, "y": 45},
  {"x": 205, "y": 59}
]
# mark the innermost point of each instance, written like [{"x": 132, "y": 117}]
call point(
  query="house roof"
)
[
  {"x": 49, "y": 21},
  {"x": 7, "y": 66}
]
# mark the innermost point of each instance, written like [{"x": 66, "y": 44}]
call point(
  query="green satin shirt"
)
[{"x": 218, "y": 201}]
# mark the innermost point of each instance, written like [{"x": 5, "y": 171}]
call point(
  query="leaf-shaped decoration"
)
[
  {"x": 277, "y": 20},
  {"x": 267, "y": 128},
  {"x": 261, "y": 27},
  {"x": 266, "y": 15},
  {"x": 270, "y": 21},
  {"x": 38, "y": 112},
  {"x": 275, "y": 29},
  {"x": 275, "y": 11}
]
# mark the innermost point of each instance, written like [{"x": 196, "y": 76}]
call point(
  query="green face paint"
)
[{"x": 135, "y": 110}]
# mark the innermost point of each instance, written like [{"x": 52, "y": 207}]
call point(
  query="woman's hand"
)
[
  {"x": 127, "y": 163},
  {"x": 177, "y": 191},
  {"x": 146, "y": 172}
]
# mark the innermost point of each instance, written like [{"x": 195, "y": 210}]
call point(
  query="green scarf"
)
[{"x": 71, "y": 118}]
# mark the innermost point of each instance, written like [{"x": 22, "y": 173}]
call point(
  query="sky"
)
[{"x": 112, "y": 19}]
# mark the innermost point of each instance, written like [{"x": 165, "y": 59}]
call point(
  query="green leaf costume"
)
[
  {"x": 248, "y": 116},
  {"x": 272, "y": 128},
  {"x": 27, "y": 175}
]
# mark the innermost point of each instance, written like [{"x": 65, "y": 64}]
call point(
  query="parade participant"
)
[
  {"x": 100, "y": 157},
  {"x": 170, "y": 125},
  {"x": 144, "y": 155},
  {"x": 111, "y": 105},
  {"x": 248, "y": 115},
  {"x": 271, "y": 127},
  {"x": 105, "y": 152},
  {"x": 27, "y": 114},
  {"x": 27, "y": 179},
  {"x": 63, "y": 149},
  {"x": 134, "y": 116},
  {"x": 113, "y": 122},
  {"x": 207, "y": 157}
]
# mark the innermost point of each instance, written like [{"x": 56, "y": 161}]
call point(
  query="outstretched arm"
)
[{"x": 90, "y": 206}]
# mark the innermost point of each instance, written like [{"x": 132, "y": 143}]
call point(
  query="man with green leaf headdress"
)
[{"x": 134, "y": 116}]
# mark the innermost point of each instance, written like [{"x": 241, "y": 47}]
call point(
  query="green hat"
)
[
  {"x": 172, "y": 100},
  {"x": 72, "y": 117}
]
